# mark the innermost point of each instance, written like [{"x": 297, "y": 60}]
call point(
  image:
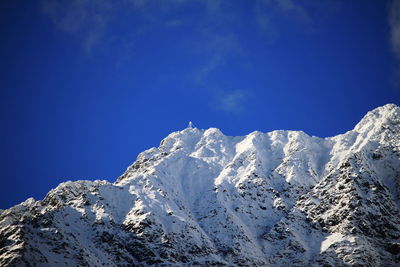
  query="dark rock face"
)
[{"x": 205, "y": 199}]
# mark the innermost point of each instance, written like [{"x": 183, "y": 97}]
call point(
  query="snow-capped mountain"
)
[{"x": 201, "y": 198}]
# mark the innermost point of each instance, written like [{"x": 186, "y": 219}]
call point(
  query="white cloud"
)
[
  {"x": 91, "y": 21},
  {"x": 304, "y": 15},
  {"x": 216, "y": 49},
  {"x": 297, "y": 10},
  {"x": 88, "y": 19},
  {"x": 233, "y": 102},
  {"x": 268, "y": 11},
  {"x": 394, "y": 22}
]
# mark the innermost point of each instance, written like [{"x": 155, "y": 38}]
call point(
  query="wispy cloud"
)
[
  {"x": 88, "y": 19},
  {"x": 394, "y": 23},
  {"x": 232, "y": 102},
  {"x": 303, "y": 16},
  {"x": 222, "y": 42},
  {"x": 91, "y": 21},
  {"x": 216, "y": 51},
  {"x": 216, "y": 38},
  {"x": 268, "y": 12}
]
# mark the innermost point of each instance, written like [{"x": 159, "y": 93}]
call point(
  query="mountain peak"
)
[
  {"x": 206, "y": 199},
  {"x": 383, "y": 115}
]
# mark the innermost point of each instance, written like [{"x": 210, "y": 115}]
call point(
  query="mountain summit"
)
[{"x": 206, "y": 199}]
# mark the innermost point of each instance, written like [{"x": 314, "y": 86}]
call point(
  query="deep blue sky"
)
[{"x": 87, "y": 85}]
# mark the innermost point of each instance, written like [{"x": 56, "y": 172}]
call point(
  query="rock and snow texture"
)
[{"x": 201, "y": 198}]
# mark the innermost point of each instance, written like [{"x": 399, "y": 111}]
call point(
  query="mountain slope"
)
[{"x": 203, "y": 198}]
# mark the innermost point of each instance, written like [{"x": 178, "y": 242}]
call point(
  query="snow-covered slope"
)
[{"x": 203, "y": 198}]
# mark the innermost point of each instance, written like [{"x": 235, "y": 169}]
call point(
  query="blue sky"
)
[{"x": 87, "y": 85}]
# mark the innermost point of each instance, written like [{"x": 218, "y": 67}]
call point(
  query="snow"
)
[
  {"x": 334, "y": 238},
  {"x": 258, "y": 197}
]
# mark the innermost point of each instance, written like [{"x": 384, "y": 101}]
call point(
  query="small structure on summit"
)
[{"x": 190, "y": 125}]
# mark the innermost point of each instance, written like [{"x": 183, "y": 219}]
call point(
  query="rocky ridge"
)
[{"x": 206, "y": 199}]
